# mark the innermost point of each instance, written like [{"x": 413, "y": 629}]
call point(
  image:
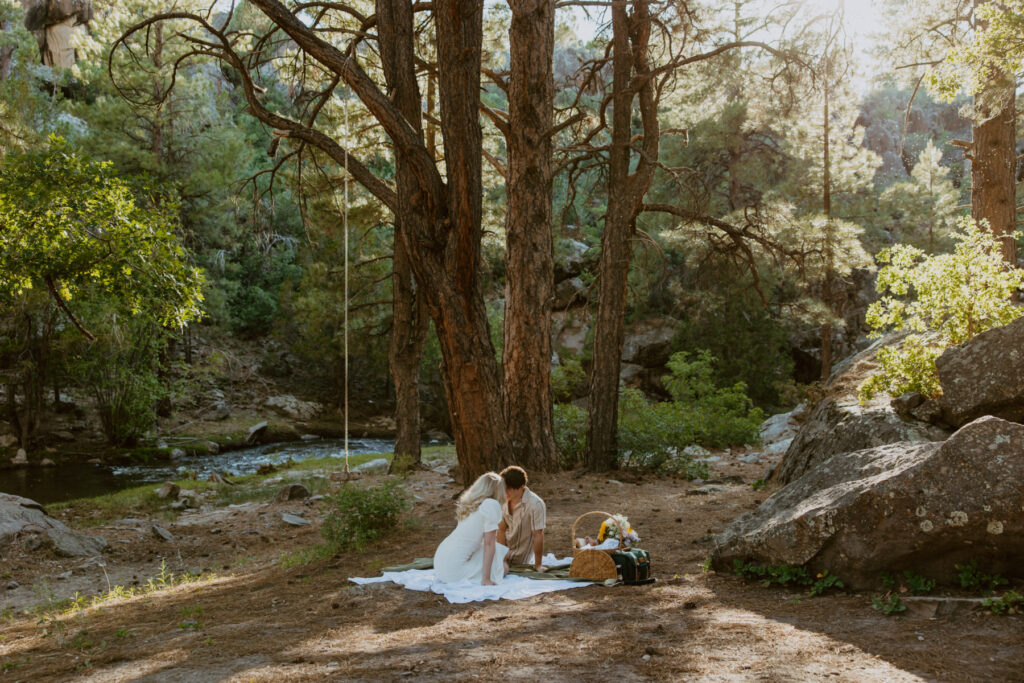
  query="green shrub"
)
[
  {"x": 786, "y": 575},
  {"x": 972, "y": 578},
  {"x": 1011, "y": 603},
  {"x": 570, "y": 427},
  {"x": 120, "y": 371},
  {"x": 362, "y": 515},
  {"x": 945, "y": 298},
  {"x": 888, "y": 604},
  {"x": 653, "y": 435}
]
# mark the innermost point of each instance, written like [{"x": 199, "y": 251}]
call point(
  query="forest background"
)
[{"x": 747, "y": 165}]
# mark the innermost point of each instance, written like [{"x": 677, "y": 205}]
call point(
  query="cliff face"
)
[{"x": 53, "y": 22}]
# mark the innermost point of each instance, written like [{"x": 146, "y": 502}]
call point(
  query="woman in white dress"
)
[{"x": 472, "y": 552}]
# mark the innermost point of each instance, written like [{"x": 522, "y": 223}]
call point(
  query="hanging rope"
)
[{"x": 344, "y": 224}]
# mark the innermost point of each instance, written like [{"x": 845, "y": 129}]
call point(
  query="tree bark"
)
[
  {"x": 409, "y": 314},
  {"x": 630, "y": 36},
  {"x": 526, "y": 356},
  {"x": 826, "y": 328},
  {"x": 993, "y": 166}
]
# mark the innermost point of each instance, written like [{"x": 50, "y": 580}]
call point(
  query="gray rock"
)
[
  {"x": 25, "y": 516},
  {"x": 219, "y": 410},
  {"x": 46, "y": 462},
  {"x": 648, "y": 342},
  {"x": 378, "y": 465},
  {"x": 289, "y": 406},
  {"x": 11, "y": 585},
  {"x": 291, "y": 492},
  {"x": 211, "y": 447},
  {"x": 984, "y": 376},
  {"x": 779, "y": 447},
  {"x": 569, "y": 292},
  {"x": 570, "y": 258},
  {"x": 569, "y": 330},
  {"x": 931, "y": 412},
  {"x": 707, "y": 490},
  {"x": 168, "y": 490},
  {"x": 905, "y": 403},
  {"x": 294, "y": 520},
  {"x": 918, "y": 506},
  {"x": 782, "y": 426},
  {"x": 162, "y": 533},
  {"x": 67, "y": 543},
  {"x": 64, "y": 435},
  {"x": 177, "y": 454},
  {"x": 751, "y": 458},
  {"x": 841, "y": 425},
  {"x": 20, "y": 458},
  {"x": 7, "y": 440},
  {"x": 64, "y": 576},
  {"x": 255, "y": 432}
]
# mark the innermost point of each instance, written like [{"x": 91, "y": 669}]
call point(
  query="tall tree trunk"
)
[
  {"x": 630, "y": 36},
  {"x": 526, "y": 357},
  {"x": 408, "y": 335},
  {"x": 443, "y": 221},
  {"x": 993, "y": 165},
  {"x": 409, "y": 314},
  {"x": 473, "y": 385}
]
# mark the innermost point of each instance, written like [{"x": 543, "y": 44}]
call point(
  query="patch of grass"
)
[
  {"x": 123, "y": 633},
  {"x": 304, "y": 556},
  {"x": 164, "y": 580},
  {"x": 759, "y": 485}
]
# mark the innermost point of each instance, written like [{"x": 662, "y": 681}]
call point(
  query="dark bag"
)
[{"x": 633, "y": 565}]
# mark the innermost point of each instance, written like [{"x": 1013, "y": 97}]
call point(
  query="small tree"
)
[
  {"x": 944, "y": 299},
  {"x": 73, "y": 229},
  {"x": 927, "y": 204}
]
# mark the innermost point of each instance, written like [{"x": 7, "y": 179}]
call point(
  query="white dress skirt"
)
[{"x": 460, "y": 557}]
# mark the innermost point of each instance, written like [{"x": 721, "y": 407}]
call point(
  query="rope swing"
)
[{"x": 344, "y": 224}]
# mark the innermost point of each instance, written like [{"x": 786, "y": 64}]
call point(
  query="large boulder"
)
[
  {"x": 648, "y": 342},
  {"x": 919, "y": 506},
  {"x": 24, "y": 517},
  {"x": 984, "y": 376},
  {"x": 839, "y": 423},
  {"x": 289, "y": 406}
]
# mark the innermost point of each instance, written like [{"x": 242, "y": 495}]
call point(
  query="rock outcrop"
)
[
  {"x": 984, "y": 376},
  {"x": 289, "y": 406},
  {"x": 22, "y": 518},
  {"x": 919, "y": 506},
  {"x": 840, "y": 424}
]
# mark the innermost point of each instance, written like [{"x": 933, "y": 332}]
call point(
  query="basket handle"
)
[{"x": 572, "y": 534}]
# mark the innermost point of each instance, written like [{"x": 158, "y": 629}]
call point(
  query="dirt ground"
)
[{"x": 260, "y": 622}]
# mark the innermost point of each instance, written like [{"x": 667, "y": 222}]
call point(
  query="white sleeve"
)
[{"x": 490, "y": 509}]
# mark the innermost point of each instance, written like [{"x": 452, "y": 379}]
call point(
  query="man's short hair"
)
[{"x": 515, "y": 477}]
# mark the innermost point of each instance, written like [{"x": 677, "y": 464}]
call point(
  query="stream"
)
[{"x": 80, "y": 480}]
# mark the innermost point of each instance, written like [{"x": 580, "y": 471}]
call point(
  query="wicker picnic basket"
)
[{"x": 590, "y": 563}]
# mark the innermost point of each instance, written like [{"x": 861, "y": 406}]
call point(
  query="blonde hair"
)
[{"x": 488, "y": 485}]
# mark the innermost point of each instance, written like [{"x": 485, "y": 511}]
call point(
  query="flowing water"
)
[{"x": 77, "y": 480}]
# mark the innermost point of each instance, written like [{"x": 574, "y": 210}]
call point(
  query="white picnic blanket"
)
[{"x": 512, "y": 588}]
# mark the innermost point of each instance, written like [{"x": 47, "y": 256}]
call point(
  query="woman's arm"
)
[{"x": 489, "y": 541}]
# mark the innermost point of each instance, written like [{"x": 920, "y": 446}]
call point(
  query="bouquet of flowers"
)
[{"x": 610, "y": 529}]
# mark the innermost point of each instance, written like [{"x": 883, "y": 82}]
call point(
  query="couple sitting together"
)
[{"x": 501, "y": 522}]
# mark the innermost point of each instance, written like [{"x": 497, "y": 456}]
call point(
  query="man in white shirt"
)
[{"x": 523, "y": 519}]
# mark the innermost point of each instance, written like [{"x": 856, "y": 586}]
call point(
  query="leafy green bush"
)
[
  {"x": 362, "y": 515},
  {"x": 1011, "y": 603},
  {"x": 570, "y": 427},
  {"x": 888, "y": 604},
  {"x": 946, "y": 299},
  {"x": 566, "y": 377},
  {"x": 972, "y": 578},
  {"x": 654, "y": 435},
  {"x": 786, "y": 575},
  {"x": 120, "y": 371}
]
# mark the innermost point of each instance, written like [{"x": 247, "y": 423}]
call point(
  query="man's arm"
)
[
  {"x": 538, "y": 550},
  {"x": 502, "y": 529}
]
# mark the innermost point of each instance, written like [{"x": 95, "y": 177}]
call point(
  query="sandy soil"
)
[{"x": 260, "y": 622}]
